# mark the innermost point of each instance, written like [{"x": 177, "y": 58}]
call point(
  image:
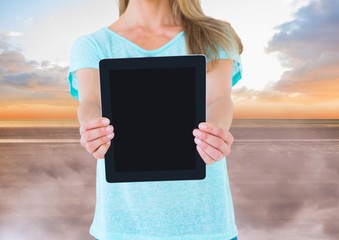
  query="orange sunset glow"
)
[
  {"x": 36, "y": 111},
  {"x": 282, "y": 77}
]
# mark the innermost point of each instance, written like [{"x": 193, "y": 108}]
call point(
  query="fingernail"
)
[
  {"x": 110, "y": 135},
  {"x": 197, "y": 140},
  {"x": 109, "y": 128},
  {"x": 105, "y": 121},
  {"x": 203, "y": 126}
]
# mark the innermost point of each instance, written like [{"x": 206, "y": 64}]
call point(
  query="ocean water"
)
[
  {"x": 284, "y": 178},
  {"x": 236, "y": 122},
  {"x": 28, "y": 123},
  {"x": 285, "y": 122}
]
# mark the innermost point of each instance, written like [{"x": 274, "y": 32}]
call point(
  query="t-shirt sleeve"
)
[
  {"x": 237, "y": 66},
  {"x": 83, "y": 55}
]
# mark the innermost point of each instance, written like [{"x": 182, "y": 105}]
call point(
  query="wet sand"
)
[{"x": 284, "y": 180}]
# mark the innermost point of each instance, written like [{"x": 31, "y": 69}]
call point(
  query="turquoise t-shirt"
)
[{"x": 155, "y": 210}]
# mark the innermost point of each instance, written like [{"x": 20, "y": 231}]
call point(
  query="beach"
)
[{"x": 284, "y": 177}]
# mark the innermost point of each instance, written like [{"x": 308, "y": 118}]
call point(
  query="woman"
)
[{"x": 173, "y": 210}]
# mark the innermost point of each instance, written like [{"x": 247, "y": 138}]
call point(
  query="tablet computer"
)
[{"x": 153, "y": 103}]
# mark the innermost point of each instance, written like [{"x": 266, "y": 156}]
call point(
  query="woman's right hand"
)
[{"x": 96, "y": 135}]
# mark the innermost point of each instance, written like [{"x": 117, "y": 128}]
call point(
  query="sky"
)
[{"x": 289, "y": 60}]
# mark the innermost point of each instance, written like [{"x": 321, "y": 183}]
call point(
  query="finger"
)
[
  {"x": 229, "y": 137},
  {"x": 217, "y": 131},
  {"x": 94, "y": 123},
  {"x": 101, "y": 151},
  {"x": 212, "y": 152},
  {"x": 215, "y": 141},
  {"x": 82, "y": 142},
  {"x": 96, "y": 133},
  {"x": 94, "y": 145},
  {"x": 204, "y": 156}
]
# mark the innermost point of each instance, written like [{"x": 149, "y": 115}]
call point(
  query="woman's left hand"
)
[{"x": 213, "y": 143}]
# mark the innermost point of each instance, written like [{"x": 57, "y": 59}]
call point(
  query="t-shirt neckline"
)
[{"x": 145, "y": 51}]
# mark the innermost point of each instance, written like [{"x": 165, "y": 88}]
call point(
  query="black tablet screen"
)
[{"x": 147, "y": 108}]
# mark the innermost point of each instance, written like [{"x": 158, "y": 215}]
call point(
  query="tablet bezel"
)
[{"x": 196, "y": 61}]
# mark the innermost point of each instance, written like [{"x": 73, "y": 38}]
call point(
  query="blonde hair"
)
[{"x": 204, "y": 35}]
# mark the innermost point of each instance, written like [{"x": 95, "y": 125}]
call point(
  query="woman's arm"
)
[
  {"x": 213, "y": 138},
  {"x": 219, "y": 109},
  {"x": 96, "y": 133},
  {"x": 89, "y": 94}
]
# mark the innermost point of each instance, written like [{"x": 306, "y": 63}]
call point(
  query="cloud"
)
[
  {"x": 308, "y": 45},
  {"x": 273, "y": 104},
  {"x": 13, "y": 34},
  {"x": 24, "y": 80},
  {"x": 312, "y": 33},
  {"x": 14, "y": 62},
  {"x": 52, "y": 79},
  {"x": 4, "y": 39},
  {"x": 29, "y": 88}
]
